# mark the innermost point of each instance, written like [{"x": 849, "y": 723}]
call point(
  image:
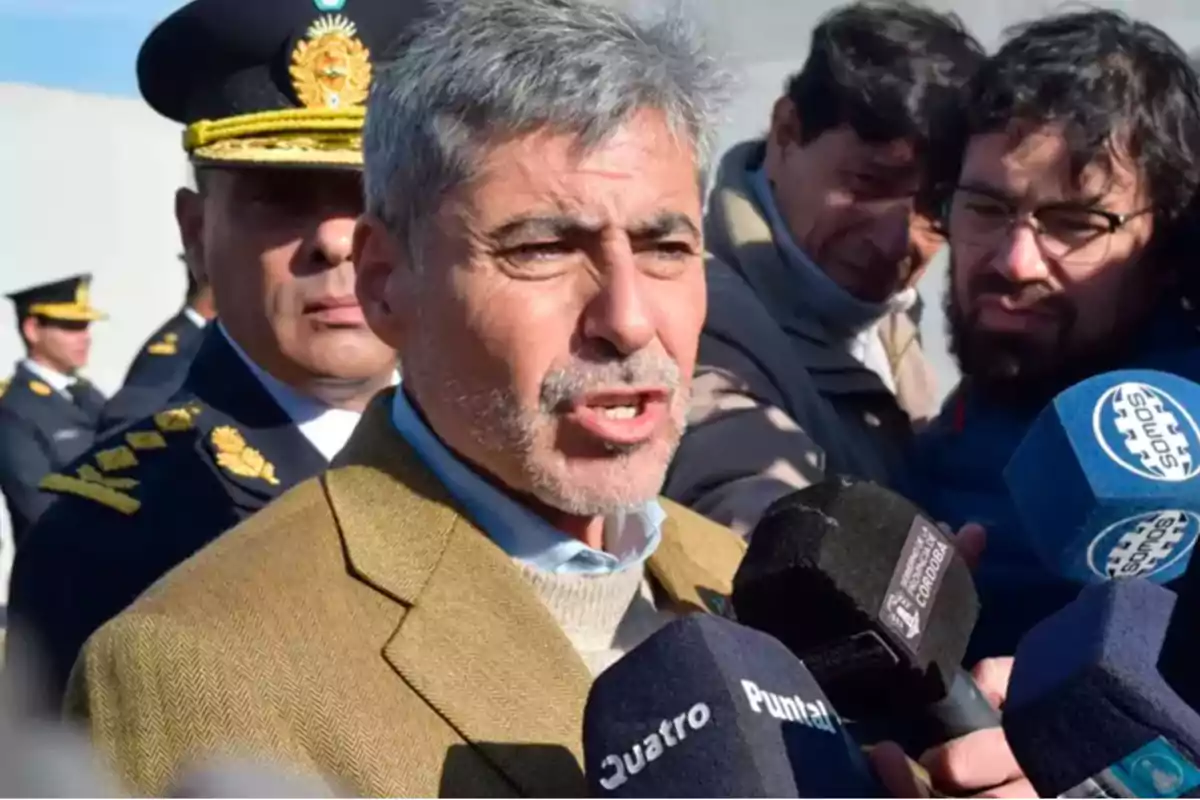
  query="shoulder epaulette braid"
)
[
  {"x": 169, "y": 346},
  {"x": 97, "y": 483}
]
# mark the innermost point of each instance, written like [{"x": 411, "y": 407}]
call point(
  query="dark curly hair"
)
[
  {"x": 888, "y": 70},
  {"x": 1119, "y": 87}
]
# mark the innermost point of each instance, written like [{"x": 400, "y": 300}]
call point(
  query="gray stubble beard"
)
[{"x": 499, "y": 425}]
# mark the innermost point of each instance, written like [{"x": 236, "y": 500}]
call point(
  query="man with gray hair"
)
[{"x": 427, "y": 616}]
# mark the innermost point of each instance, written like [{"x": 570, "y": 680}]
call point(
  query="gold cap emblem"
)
[{"x": 331, "y": 67}]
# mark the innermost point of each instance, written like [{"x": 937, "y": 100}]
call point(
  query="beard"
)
[
  {"x": 519, "y": 447},
  {"x": 1019, "y": 371}
]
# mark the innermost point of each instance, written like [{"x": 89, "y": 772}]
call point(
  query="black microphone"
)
[
  {"x": 876, "y": 600},
  {"x": 1088, "y": 713},
  {"x": 708, "y": 708}
]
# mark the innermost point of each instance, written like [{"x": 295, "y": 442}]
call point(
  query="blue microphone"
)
[
  {"x": 1106, "y": 482},
  {"x": 1088, "y": 713},
  {"x": 709, "y": 708}
]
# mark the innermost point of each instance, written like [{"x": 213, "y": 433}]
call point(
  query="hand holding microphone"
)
[{"x": 980, "y": 764}]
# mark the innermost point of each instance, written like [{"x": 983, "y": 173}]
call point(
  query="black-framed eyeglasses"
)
[{"x": 1065, "y": 231}]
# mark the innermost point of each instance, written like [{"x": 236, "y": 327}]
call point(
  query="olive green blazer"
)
[{"x": 361, "y": 627}]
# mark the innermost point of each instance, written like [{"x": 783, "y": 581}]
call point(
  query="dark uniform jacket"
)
[
  {"x": 156, "y": 374},
  {"x": 40, "y": 431},
  {"x": 166, "y": 354},
  {"x": 147, "y": 497}
]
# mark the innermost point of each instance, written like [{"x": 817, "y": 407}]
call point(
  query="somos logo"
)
[
  {"x": 1147, "y": 432},
  {"x": 1143, "y": 546}
]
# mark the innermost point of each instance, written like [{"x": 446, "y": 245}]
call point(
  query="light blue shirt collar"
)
[{"x": 630, "y": 537}]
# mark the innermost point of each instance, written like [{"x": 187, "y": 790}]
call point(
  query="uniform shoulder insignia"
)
[
  {"x": 145, "y": 440},
  {"x": 4, "y": 386},
  {"x": 169, "y": 345},
  {"x": 177, "y": 420},
  {"x": 234, "y": 455},
  {"x": 116, "y": 459},
  {"x": 89, "y": 483},
  {"x": 96, "y": 483},
  {"x": 40, "y": 389}
]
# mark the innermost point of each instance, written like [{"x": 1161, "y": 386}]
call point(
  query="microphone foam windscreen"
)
[
  {"x": 709, "y": 708},
  {"x": 1086, "y": 706},
  {"x": 1176, "y": 662},
  {"x": 1106, "y": 481},
  {"x": 855, "y": 580}
]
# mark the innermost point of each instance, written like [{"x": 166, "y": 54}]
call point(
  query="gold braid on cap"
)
[
  {"x": 331, "y": 75},
  {"x": 80, "y": 310},
  {"x": 299, "y": 135}
]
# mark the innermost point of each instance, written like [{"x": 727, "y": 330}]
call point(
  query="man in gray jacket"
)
[{"x": 810, "y": 361}]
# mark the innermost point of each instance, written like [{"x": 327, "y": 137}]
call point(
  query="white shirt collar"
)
[
  {"x": 195, "y": 317},
  {"x": 327, "y": 429},
  {"x": 52, "y": 377}
]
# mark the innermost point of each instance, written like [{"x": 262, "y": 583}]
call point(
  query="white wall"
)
[
  {"x": 89, "y": 180},
  {"x": 88, "y": 187}
]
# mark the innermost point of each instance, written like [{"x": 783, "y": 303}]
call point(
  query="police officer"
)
[
  {"x": 161, "y": 365},
  {"x": 271, "y": 94},
  {"x": 47, "y": 412},
  {"x": 169, "y": 350}
]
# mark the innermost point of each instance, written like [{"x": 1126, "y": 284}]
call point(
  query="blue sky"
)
[{"x": 85, "y": 45}]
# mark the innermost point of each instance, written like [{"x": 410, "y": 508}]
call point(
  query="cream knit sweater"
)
[{"x": 604, "y": 616}]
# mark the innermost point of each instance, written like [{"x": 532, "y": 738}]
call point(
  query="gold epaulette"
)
[
  {"x": 167, "y": 347},
  {"x": 96, "y": 481},
  {"x": 4, "y": 382}
]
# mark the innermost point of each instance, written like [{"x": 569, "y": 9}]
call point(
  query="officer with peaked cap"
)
[
  {"x": 271, "y": 94},
  {"x": 48, "y": 413}
]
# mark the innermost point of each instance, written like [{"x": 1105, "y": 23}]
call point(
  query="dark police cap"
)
[
  {"x": 270, "y": 82},
  {"x": 67, "y": 300}
]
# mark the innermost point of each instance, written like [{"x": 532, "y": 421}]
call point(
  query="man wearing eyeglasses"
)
[{"x": 1066, "y": 209}]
